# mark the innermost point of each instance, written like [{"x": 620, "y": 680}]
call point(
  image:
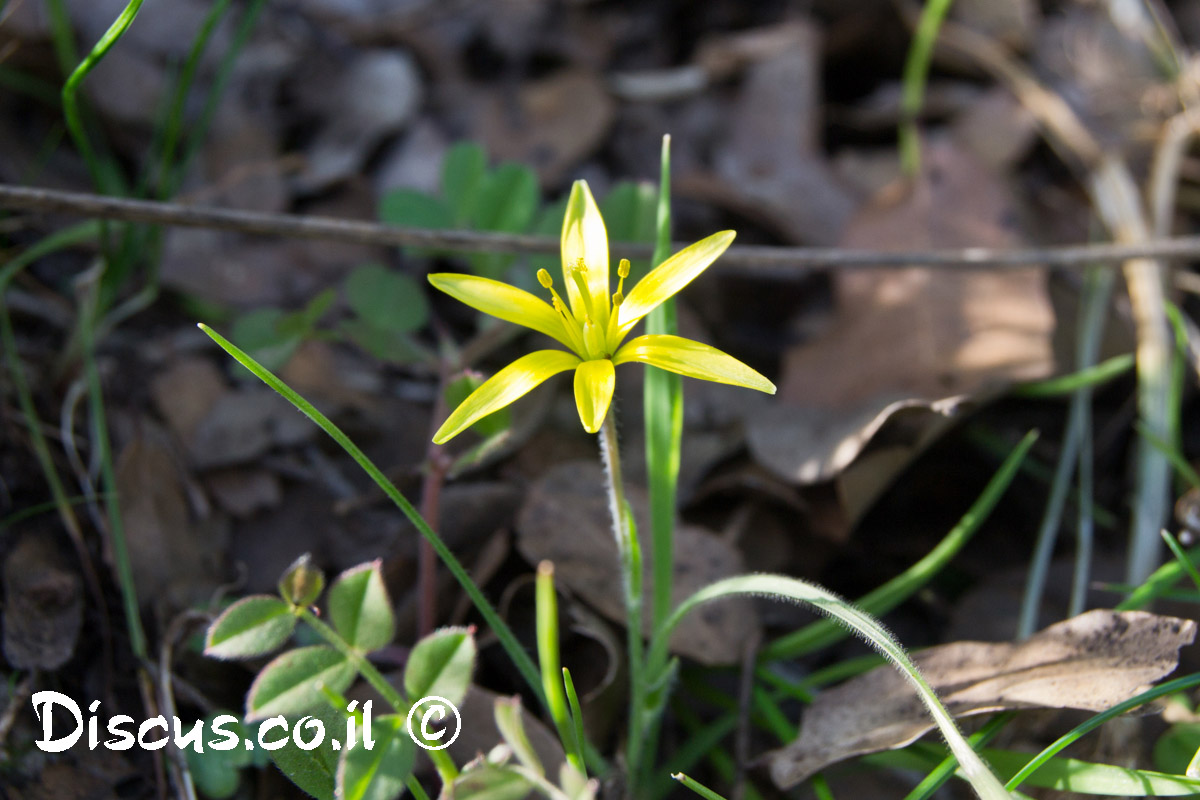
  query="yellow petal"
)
[
  {"x": 696, "y": 360},
  {"x": 503, "y": 301},
  {"x": 583, "y": 236},
  {"x": 507, "y": 385},
  {"x": 669, "y": 277},
  {"x": 594, "y": 383}
]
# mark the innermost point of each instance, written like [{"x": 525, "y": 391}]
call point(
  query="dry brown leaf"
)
[
  {"x": 773, "y": 157},
  {"x": 565, "y": 520},
  {"x": 555, "y": 123},
  {"x": 915, "y": 337},
  {"x": 245, "y": 491},
  {"x": 1090, "y": 662},
  {"x": 185, "y": 394},
  {"x": 43, "y": 604},
  {"x": 173, "y": 558}
]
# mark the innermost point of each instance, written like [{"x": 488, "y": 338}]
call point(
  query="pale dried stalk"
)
[{"x": 1116, "y": 199}]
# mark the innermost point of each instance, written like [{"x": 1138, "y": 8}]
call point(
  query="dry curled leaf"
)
[
  {"x": 565, "y": 520},
  {"x": 552, "y": 125},
  {"x": 1090, "y": 662},
  {"x": 912, "y": 338}
]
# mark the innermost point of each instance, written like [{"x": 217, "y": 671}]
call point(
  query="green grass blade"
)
[
  {"x": 104, "y": 178},
  {"x": 663, "y": 408},
  {"x": 88, "y": 318},
  {"x": 200, "y": 127},
  {"x": 173, "y": 125},
  {"x": 882, "y": 600},
  {"x": 1086, "y": 777},
  {"x": 697, "y": 787},
  {"x": 1157, "y": 585},
  {"x": 1087, "y": 378},
  {"x": 781, "y": 587},
  {"x": 1090, "y": 328},
  {"x": 1069, "y": 738},
  {"x": 1182, "y": 558},
  {"x": 916, "y": 71},
  {"x": 576, "y": 713},
  {"x": 507, "y": 638}
]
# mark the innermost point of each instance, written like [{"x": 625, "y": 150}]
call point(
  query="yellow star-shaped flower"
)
[{"x": 591, "y": 323}]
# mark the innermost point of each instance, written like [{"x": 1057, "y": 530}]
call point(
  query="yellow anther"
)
[
  {"x": 623, "y": 268},
  {"x": 544, "y": 279},
  {"x": 617, "y": 298}
]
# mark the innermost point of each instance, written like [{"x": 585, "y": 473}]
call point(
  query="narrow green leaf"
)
[
  {"x": 697, "y": 787},
  {"x": 253, "y": 626},
  {"x": 512, "y": 729},
  {"x": 387, "y": 299},
  {"x": 378, "y": 773},
  {"x": 291, "y": 683},
  {"x": 359, "y": 608},
  {"x": 441, "y": 665},
  {"x": 462, "y": 175},
  {"x": 1086, "y": 777}
]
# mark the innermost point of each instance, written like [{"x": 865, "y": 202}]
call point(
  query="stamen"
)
[
  {"x": 622, "y": 273},
  {"x": 570, "y": 325}
]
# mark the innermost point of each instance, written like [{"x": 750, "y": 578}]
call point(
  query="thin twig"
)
[{"x": 745, "y": 257}]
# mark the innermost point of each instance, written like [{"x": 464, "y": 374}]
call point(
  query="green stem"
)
[
  {"x": 630, "y": 554},
  {"x": 916, "y": 71},
  {"x": 116, "y": 525},
  {"x": 394, "y": 697}
]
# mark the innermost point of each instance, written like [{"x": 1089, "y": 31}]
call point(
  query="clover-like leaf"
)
[
  {"x": 462, "y": 174},
  {"x": 313, "y": 770},
  {"x": 380, "y": 772},
  {"x": 386, "y": 299},
  {"x": 359, "y": 608},
  {"x": 253, "y": 626},
  {"x": 291, "y": 683},
  {"x": 441, "y": 665}
]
